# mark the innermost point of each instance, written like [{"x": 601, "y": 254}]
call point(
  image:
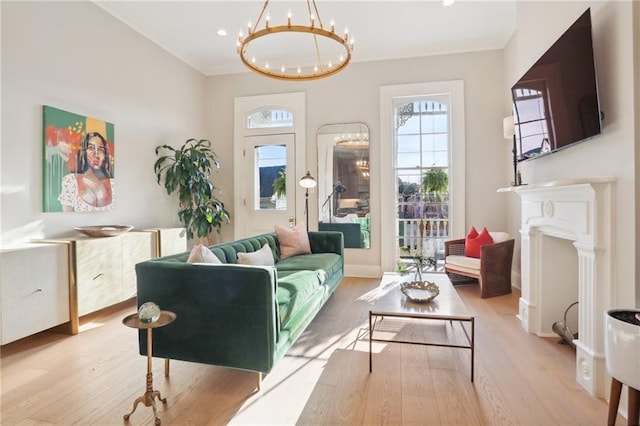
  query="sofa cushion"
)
[
  {"x": 202, "y": 254},
  {"x": 294, "y": 289},
  {"x": 499, "y": 237},
  {"x": 472, "y": 245},
  {"x": 262, "y": 257},
  {"x": 328, "y": 262},
  {"x": 463, "y": 263},
  {"x": 293, "y": 241}
]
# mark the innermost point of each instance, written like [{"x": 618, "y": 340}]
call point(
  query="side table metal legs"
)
[{"x": 148, "y": 399}]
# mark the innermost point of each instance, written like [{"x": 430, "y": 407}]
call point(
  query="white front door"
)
[
  {"x": 268, "y": 159},
  {"x": 269, "y": 139}
]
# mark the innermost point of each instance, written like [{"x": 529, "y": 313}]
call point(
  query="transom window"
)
[{"x": 268, "y": 118}]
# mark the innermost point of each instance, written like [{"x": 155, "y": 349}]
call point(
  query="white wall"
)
[
  {"x": 76, "y": 57},
  {"x": 353, "y": 96},
  {"x": 613, "y": 152}
]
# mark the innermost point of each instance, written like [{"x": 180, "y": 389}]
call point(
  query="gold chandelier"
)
[{"x": 296, "y": 71}]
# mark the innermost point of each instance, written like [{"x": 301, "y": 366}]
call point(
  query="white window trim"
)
[{"x": 457, "y": 167}]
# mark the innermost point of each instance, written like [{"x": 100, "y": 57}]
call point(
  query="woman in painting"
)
[{"x": 91, "y": 187}]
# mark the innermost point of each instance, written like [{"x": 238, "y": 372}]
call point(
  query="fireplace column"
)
[{"x": 590, "y": 363}]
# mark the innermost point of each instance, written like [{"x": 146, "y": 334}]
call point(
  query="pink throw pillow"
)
[
  {"x": 472, "y": 245},
  {"x": 202, "y": 254},
  {"x": 293, "y": 241}
]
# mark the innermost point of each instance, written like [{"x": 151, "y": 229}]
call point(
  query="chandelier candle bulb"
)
[{"x": 333, "y": 26}]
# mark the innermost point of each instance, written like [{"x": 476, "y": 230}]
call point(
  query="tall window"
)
[
  {"x": 421, "y": 136},
  {"x": 422, "y": 151}
]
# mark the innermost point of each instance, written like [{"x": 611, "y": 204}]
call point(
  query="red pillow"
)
[
  {"x": 472, "y": 245},
  {"x": 473, "y": 233}
]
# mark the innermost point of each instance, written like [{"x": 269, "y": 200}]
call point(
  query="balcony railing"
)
[{"x": 425, "y": 235}]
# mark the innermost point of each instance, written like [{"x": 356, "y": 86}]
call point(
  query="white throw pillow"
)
[
  {"x": 293, "y": 241},
  {"x": 262, "y": 257},
  {"x": 202, "y": 254}
]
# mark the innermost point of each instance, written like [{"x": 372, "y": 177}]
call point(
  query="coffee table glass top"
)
[{"x": 389, "y": 299}]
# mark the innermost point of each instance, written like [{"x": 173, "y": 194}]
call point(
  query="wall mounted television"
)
[{"x": 555, "y": 103}]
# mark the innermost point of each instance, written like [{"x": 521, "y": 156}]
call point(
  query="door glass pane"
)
[{"x": 270, "y": 177}]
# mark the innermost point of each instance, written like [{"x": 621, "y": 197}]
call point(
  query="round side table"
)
[{"x": 148, "y": 399}]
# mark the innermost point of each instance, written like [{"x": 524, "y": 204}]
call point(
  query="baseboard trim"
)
[{"x": 365, "y": 271}]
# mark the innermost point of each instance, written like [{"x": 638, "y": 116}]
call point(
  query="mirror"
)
[{"x": 343, "y": 182}]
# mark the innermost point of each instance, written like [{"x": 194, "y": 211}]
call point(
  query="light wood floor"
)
[{"x": 93, "y": 378}]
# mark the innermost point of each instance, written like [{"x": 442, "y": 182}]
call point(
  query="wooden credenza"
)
[
  {"x": 34, "y": 294},
  {"x": 53, "y": 282},
  {"x": 169, "y": 241},
  {"x": 102, "y": 270}
]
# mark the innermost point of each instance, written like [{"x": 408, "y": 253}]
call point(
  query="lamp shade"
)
[
  {"x": 508, "y": 127},
  {"x": 307, "y": 181}
]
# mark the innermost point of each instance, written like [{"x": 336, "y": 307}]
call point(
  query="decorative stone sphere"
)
[{"x": 149, "y": 312}]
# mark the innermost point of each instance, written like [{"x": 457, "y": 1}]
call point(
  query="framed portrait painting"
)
[{"x": 78, "y": 166}]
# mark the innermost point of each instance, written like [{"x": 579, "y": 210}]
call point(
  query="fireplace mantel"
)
[
  {"x": 560, "y": 183},
  {"x": 579, "y": 211}
]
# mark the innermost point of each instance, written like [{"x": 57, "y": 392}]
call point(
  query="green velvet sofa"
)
[{"x": 238, "y": 316}]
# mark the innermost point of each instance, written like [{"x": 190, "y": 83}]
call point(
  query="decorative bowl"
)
[
  {"x": 104, "y": 230},
  {"x": 420, "y": 291}
]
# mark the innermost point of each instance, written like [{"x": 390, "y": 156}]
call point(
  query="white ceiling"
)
[{"x": 381, "y": 29}]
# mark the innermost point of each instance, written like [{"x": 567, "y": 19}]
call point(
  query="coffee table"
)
[{"x": 448, "y": 306}]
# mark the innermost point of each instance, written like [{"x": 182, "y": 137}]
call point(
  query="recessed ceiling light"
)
[
  {"x": 222, "y": 32},
  {"x": 448, "y": 2}
]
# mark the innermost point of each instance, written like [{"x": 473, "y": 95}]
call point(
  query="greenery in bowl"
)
[{"x": 418, "y": 264}]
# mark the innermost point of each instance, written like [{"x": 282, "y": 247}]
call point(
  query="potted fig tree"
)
[{"x": 186, "y": 170}]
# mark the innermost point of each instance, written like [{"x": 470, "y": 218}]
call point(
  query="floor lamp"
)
[
  {"x": 307, "y": 181},
  {"x": 509, "y": 131}
]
